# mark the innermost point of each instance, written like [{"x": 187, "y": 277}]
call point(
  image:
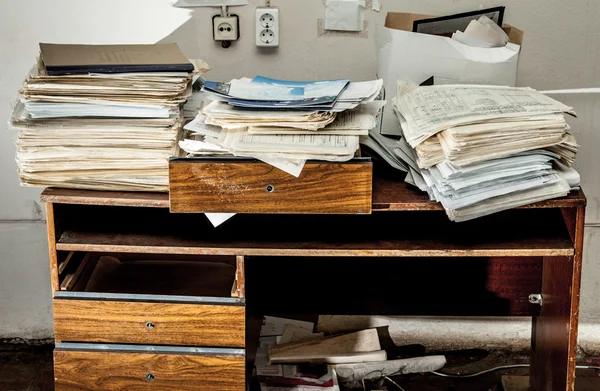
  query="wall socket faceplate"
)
[
  {"x": 226, "y": 28},
  {"x": 267, "y": 27}
]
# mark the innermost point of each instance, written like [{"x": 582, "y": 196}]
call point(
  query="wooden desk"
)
[{"x": 150, "y": 340}]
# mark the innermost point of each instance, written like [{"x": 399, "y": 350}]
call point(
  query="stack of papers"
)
[
  {"x": 314, "y": 377},
  {"x": 483, "y": 149},
  {"x": 101, "y": 131},
  {"x": 284, "y": 123}
]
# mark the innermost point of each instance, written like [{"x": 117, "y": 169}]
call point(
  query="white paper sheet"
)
[
  {"x": 376, "y": 5},
  {"x": 207, "y": 3},
  {"x": 217, "y": 219},
  {"x": 344, "y": 15}
]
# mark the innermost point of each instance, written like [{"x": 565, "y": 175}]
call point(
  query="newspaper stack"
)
[
  {"x": 483, "y": 149},
  {"x": 284, "y": 123},
  {"x": 101, "y": 131}
]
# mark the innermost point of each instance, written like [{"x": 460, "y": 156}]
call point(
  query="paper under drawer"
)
[{"x": 232, "y": 186}]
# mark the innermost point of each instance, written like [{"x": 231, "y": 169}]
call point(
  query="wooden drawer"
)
[
  {"x": 245, "y": 186},
  {"x": 203, "y": 323},
  {"x": 87, "y": 367}
]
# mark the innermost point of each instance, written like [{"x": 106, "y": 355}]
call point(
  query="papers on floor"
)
[
  {"x": 290, "y": 377},
  {"x": 284, "y": 123},
  {"x": 482, "y": 149},
  {"x": 105, "y": 130}
]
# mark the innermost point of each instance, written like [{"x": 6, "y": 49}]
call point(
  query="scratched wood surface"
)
[
  {"x": 389, "y": 194},
  {"x": 109, "y": 371},
  {"x": 126, "y": 322},
  {"x": 321, "y": 188}
]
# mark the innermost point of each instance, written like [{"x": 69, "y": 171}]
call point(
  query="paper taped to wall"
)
[
  {"x": 207, "y": 3},
  {"x": 344, "y": 15}
]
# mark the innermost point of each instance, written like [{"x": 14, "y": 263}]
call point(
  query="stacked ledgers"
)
[
  {"x": 483, "y": 149},
  {"x": 284, "y": 123},
  {"x": 112, "y": 127}
]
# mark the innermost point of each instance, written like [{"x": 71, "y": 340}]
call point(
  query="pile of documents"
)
[
  {"x": 483, "y": 149},
  {"x": 277, "y": 377},
  {"x": 102, "y": 117},
  {"x": 284, "y": 123},
  {"x": 292, "y": 357}
]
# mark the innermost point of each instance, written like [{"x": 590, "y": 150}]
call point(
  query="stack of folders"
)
[
  {"x": 284, "y": 123},
  {"x": 102, "y": 117},
  {"x": 482, "y": 149}
]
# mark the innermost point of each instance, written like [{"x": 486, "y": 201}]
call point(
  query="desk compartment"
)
[
  {"x": 84, "y": 367},
  {"x": 246, "y": 186},
  {"x": 152, "y": 299}
]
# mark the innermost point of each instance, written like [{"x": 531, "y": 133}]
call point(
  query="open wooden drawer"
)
[
  {"x": 149, "y": 299},
  {"x": 93, "y": 367},
  {"x": 235, "y": 185}
]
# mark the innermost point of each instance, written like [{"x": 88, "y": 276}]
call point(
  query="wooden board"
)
[
  {"x": 255, "y": 187},
  {"x": 162, "y": 244},
  {"x": 126, "y": 322},
  {"x": 107, "y": 198},
  {"x": 364, "y": 341},
  {"x": 390, "y": 193},
  {"x": 51, "y": 231},
  {"x": 109, "y": 371},
  {"x": 554, "y": 340}
]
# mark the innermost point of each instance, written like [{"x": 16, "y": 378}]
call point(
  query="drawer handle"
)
[
  {"x": 149, "y": 376},
  {"x": 270, "y": 188},
  {"x": 149, "y": 325}
]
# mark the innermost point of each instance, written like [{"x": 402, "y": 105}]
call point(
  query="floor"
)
[
  {"x": 30, "y": 369},
  {"x": 25, "y": 368}
]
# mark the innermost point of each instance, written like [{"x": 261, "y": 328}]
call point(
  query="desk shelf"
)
[{"x": 541, "y": 232}]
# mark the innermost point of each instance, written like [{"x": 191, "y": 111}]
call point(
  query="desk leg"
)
[{"x": 554, "y": 338}]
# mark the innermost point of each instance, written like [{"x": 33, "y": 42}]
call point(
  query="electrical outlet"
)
[
  {"x": 226, "y": 28},
  {"x": 267, "y": 27}
]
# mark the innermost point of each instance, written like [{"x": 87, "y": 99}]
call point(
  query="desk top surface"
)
[{"x": 389, "y": 194}]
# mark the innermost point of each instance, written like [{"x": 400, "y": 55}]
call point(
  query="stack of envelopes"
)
[
  {"x": 105, "y": 130},
  {"x": 284, "y": 123},
  {"x": 483, "y": 149}
]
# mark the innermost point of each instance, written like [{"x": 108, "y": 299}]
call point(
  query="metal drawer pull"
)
[
  {"x": 270, "y": 188},
  {"x": 149, "y": 325},
  {"x": 149, "y": 376},
  {"x": 536, "y": 299}
]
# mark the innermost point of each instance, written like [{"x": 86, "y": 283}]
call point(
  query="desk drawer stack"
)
[{"x": 138, "y": 320}]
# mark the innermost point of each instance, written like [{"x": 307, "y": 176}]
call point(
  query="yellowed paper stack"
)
[{"x": 100, "y": 131}]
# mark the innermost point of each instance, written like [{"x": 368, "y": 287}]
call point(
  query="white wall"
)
[{"x": 561, "y": 50}]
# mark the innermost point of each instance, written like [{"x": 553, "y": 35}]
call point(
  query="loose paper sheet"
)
[
  {"x": 217, "y": 219},
  {"x": 207, "y": 3},
  {"x": 344, "y": 15}
]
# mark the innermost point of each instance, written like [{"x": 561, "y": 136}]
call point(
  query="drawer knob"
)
[
  {"x": 149, "y": 377},
  {"x": 149, "y": 325},
  {"x": 270, "y": 188}
]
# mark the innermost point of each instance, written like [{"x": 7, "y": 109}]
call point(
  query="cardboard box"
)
[{"x": 402, "y": 54}]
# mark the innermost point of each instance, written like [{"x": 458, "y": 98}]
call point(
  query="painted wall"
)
[{"x": 561, "y": 50}]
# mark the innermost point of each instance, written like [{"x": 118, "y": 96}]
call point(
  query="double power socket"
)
[
  {"x": 267, "y": 27},
  {"x": 227, "y": 28}
]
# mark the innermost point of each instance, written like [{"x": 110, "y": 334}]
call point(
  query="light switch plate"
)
[
  {"x": 267, "y": 27},
  {"x": 226, "y": 28}
]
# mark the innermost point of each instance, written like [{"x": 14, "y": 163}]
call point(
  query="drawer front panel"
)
[
  {"x": 149, "y": 323},
  {"x": 254, "y": 187},
  {"x": 112, "y": 371}
]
